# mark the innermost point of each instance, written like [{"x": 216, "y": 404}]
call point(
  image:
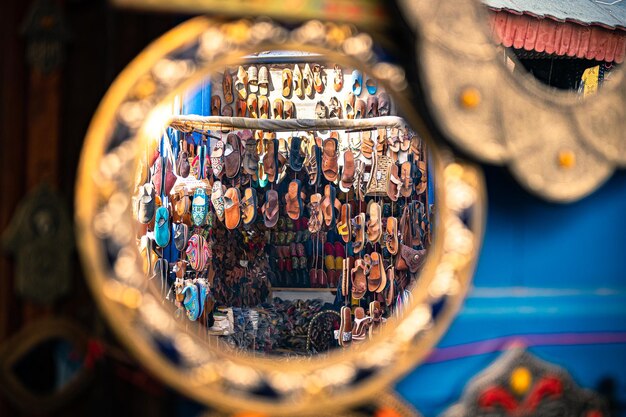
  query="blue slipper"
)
[
  {"x": 357, "y": 82},
  {"x": 162, "y": 227}
]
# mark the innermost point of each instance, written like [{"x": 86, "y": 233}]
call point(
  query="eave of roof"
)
[{"x": 609, "y": 14}]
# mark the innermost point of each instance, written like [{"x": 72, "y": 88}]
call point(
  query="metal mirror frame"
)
[
  {"x": 556, "y": 145},
  {"x": 133, "y": 108}
]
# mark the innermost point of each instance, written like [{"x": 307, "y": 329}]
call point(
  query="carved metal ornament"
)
[
  {"x": 46, "y": 32},
  {"x": 28, "y": 340},
  {"x": 136, "y": 108},
  {"x": 557, "y": 146},
  {"x": 40, "y": 237},
  {"x": 520, "y": 384}
]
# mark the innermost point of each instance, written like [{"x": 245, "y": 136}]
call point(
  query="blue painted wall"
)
[{"x": 550, "y": 275}]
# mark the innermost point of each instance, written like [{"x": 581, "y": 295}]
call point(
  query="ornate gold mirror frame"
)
[
  {"x": 133, "y": 109},
  {"x": 557, "y": 146}
]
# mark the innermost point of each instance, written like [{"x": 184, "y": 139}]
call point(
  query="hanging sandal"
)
[
  {"x": 217, "y": 159},
  {"x": 358, "y": 227},
  {"x": 348, "y": 172},
  {"x": 270, "y": 208},
  {"x": 217, "y": 199},
  {"x": 227, "y": 87},
  {"x": 359, "y": 279},
  {"x": 293, "y": 200},
  {"x": 337, "y": 78},
  {"x": 391, "y": 235},
  {"x": 374, "y": 227},
  {"x": 232, "y": 211},
  {"x": 249, "y": 206},
  {"x": 330, "y": 156},
  {"x": 278, "y": 109},
  {"x": 406, "y": 188},
  {"x": 349, "y": 103},
  {"x": 393, "y": 182},
  {"x": 344, "y": 225},
  {"x": 287, "y": 82},
  {"x": 315, "y": 213},
  {"x": 297, "y": 79},
  {"x": 232, "y": 155},
  {"x": 241, "y": 84}
]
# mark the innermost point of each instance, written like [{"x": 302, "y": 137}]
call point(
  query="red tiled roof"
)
[{"x": 522, "y": 31}]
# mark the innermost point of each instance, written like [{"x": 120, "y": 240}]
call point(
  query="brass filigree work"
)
[
  {"x": 133, "y": 110},
  {"x": 507, "y": 118}
]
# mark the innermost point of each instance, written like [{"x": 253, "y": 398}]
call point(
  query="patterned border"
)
[
  {"x": 132, "y": 109},
  {"x": 557, "y": 146}
]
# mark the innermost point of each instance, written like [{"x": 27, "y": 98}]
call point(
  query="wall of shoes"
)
[{"x": 229, "y": 219}]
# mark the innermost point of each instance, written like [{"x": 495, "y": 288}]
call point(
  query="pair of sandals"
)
[
  {"x": 368, "y": 274},
  {"x": 231, "y": 208}
]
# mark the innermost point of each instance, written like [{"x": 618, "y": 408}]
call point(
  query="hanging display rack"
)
[{"x": 202, "y": 124}]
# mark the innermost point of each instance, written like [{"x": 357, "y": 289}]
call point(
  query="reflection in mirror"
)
[
  {"x": 48, "y": 367},
  {"x": 287, "y": 208},
  {"x": 576, "y": 47}
]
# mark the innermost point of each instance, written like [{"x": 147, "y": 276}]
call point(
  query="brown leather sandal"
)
[
  {"x": 249, "y": 206},
  {"x": 393, "y": 182},
  {"x": 330, "y": 166},
  {"x": 347, "y": 174},
  {"x": 374, "y": 226},
  {"x": 270, "y": 160},
  {"x": 345, "y": 329},
  {"x": 270, "y": 208},
  {"x": 293, "y": 200},
  {"x": 377, "y": 279},
  {"x": 232, "y": 211},
  {"x": 344, "y": 225},
  {"x": 391, "y": 235},
  {"x": 359, "y": 279},
  {"x": 232, "y": 155},
  {"x": 407, "y": 181},
  {"x": 227, "y": 87},
  {"x": 316, "y": 217},
  {"x": 358, "y": 226}
]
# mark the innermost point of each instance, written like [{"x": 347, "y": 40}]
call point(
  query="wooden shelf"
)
[{"x": 300, "y": 289}]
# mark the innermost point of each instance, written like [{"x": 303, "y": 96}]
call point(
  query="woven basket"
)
[{"x": 377, "y": 184}]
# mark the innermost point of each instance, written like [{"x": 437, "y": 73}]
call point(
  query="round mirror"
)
[{"x": 266, "y": 221}]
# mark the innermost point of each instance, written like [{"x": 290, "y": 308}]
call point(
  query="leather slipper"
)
[
  {"x": 232, "y": 211},
  {"x": 377, "y": 273},
  {"x": 241, "y": 83},
  {"x": 216, "y": 105},
  {"x": 227, "y": 87},
  {"x": 264, "y": 107},
  {"x": 349, "y": 103},
  {"x": 318, "y": 83},
  {"x": 232, "y": 155},
  {"x": 278, "y": 109},
  {"x": 264, "y": 81},
  {"x": 287, "y": 78},
  {"x": 330, "y": 166},
  {"x": 241, "y": 107},
  {"x": 384, "y": 104},
  {"x": 297, "y": 80},
  {"x": 253, "y": 79},
  {"x": 270, "y": 208},
  {"x": 290, "y": 110},
  {"x": 253, "y": 108},
  {"x": 334, "y": 108},
  {"x": 307, "y": 81},
  {"x": 372, "y": 107},
  {"x": 338, "y": 78},
  {"x": 293, "y": 200},
  {"x": 359, "y": 109},
  {"x": 406, "y": 187},
  {"x": 217, "y": 199}
]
